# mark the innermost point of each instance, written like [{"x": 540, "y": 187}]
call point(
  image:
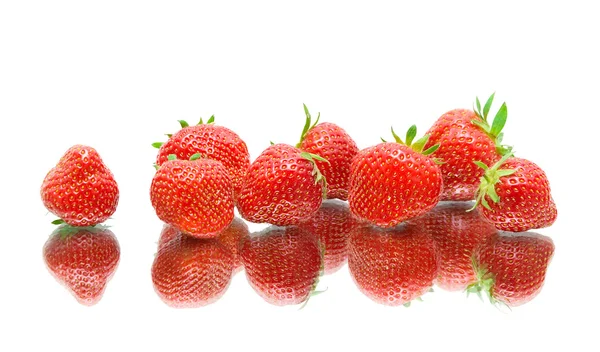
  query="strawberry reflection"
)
[{"x": 83, "y": 259}]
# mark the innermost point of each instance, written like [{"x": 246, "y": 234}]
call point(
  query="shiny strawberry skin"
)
[
  {"x": 518, "y": 263},
  {"x": 391, "y": 183},
  {"x": 392, "y": 266},
  {"x": 461, "y": 143},
  {"x": 189, "y": 272},
  {"x": 331, "y": 142},
  {"x": 525, "y": 199},
  {"x": 280, "y": 188},
  {"x": 282, "y": 264},
  {"x": 213, "y": 142},
  {"x": 456, "y": 232},
  {"x": 80, "y": 189},
  {"x": 194, "y": 196},
  {"x": 83, "y": 259}
]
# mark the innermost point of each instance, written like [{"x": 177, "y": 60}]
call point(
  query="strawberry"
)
[
  {"x": 189, "y": 272},
  {"x": 195, "y": 196},
  {"x": 332, "y": 225},
  {"x": 456, "y": 233},
  {"x": 392, "y": 266},
  {"x": 331, "y": 142},
  {"x": 282, "y": 264},
  {"x": 466, "y": 136},
  {"x": 520, "y": 195},
  {"x": 283, "y": 186},
  {"x": 211, "y": 141},
  {"x": 393, "y": 182},
  {"x": 83, "y": 259},
  {"x": 511, "y": 268},
  {"x": 80, "y": 189}
]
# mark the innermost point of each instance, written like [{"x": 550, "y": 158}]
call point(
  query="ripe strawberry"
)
[
  {"x": 80, "y": 189},
  {"x": 232, "y": 238},
  {"x": 282, "y": 264},
  {"x": 195, "y": 196},
  {"x": 189, "y": 272},
  {"x": 393, "y": 182},
  {"x": 519, "y": 193},
  {"x": 511, "y": 268},
  {"x": 331, "y": 142},
  {"x": 465, "y": 136},
  {"x": 83, "y": 259},
  {"x": 211, "y": 141},
  {"x": 456, "y": 233},
  {"x": 332, "y": 225},
  {"x": 283, "y": 186},
  {"x": 392, "y": 266}
]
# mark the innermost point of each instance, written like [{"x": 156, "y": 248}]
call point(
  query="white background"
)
[{"x": 117, "y": 75}]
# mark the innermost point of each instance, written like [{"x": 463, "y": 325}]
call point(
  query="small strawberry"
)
[
  {"x": 282, "y": 187},
  {"x": 511, "y": 268},
  {"x": 332, "y": 225},
  {"x": 466, "y": 136},
  {"x": 392, "y": 266},
  {"x": 195, "y": 196},
  {"x": 282, "y": 264},
  {"x": 520, "y": 195},
  {"x": 83, "y": 259},
  {"x": 331, "y": 142},
  {"x": 393, "y": 182},
  {"x": 189, "y": 272},
  {"x": 456, "y": 233},
  {"x": 80, "y": 189},
  {"x": 211, "y": 141}
]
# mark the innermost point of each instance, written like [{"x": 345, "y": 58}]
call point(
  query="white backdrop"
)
[{"x": 117, "y": 75}]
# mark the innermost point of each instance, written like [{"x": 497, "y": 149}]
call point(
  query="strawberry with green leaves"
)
[
  {"x": 466, "y": 136},
  {"x": 80, "y": 189},
  {"x": 331, "y": 142},
  {"x": 394, "y": 181},
  {"x": 195, "y": 196}
]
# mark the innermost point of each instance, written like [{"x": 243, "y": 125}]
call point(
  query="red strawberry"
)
[
  {"x": 80, "y": 189},
  {"x": 465, "y": 136},
  {"x": 332, "y": 225},
  {"x": 190, "y": 272},
  {"x": 283, "y": 186},
  {"x": 282, "y": 264},
  {"x": 195, "y": 196},
  {"x": 393, "y": 182},
  {"x": 331, "y": 142},
  {"x": 512, "y": 267},
  {"x": 456, "y": 233},
  {"x": 519, "y": 193},
  {"x": 392, "y": 266},
  {"x": 83, "y": 259},
  {"x": 211, "y": 141}
]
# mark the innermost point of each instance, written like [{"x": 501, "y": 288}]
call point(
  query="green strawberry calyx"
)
[
  {"x": 417, "y": 145},
  {"x": 65, "y": 230},
  {"x": 308, "y": 125},
  {"x": 484, "y": 284},
  {"x": 494, "y": 131},
  {"x": 316, "y": 172},
  {"x": 487, "y": 185},
  {"x": 183, "y": 125}
]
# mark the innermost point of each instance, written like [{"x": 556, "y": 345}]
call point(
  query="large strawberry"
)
[
  {"x": 456, "y": 232},
  {"x": 466, "y": 136},
  {"x": 511, "y": 268},
  {"x": 282, "y": 187},
  {"x": 195, "y": 196},
  {"x": 332, "y": 225},
  {"x": 83, "y": 259},
  {"x": 392, "y": 266},
  {"x": 393, "y": 182},
  {"x": 80, "y": 189},
  {"x": 282, "y": 264},
  {"x": 189, "y": 272},
  {"x": 514, "y": 195},
  {"x": 331, "y": 142},
  {"x": 211, "y": 141}
]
